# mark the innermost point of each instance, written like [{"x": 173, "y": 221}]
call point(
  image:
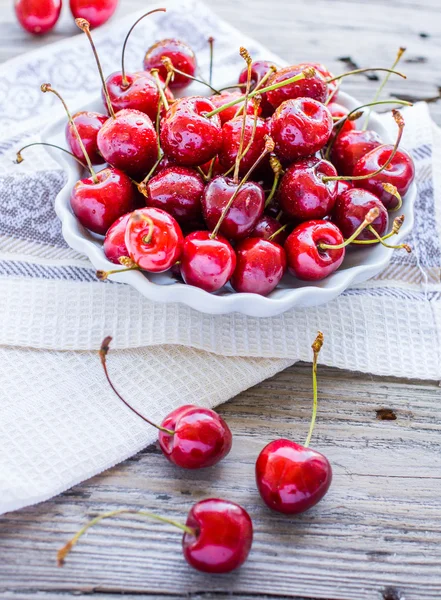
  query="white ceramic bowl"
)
[{"x": 359, "y": 264}]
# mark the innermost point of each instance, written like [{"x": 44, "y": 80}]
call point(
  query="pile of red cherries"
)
[{"x": 238, "y": 187}]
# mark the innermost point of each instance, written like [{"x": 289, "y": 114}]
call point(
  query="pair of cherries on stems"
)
[{"x": 218, "y": 534}]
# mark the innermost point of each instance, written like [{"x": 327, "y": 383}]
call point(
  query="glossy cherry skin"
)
[
  {"x": 315, "y": 87},
  {"x": 141, "y": 93},
  {"x": 97, "y": 12},
  {"x": 207, "y": 263},
  {"x": 114, "y": 245},
  {"x": 231, "y": 134},
  {"x": 306, "y": 260},
  {"x": 224, "y": 536},
  {"x": 244, "y": 213},
  {"x": 88, "y": 124},
  {"x": 303, "y": 194},
  {"x": 181, "y": 55},
  {"x": 326, "y": 74},
  {"x": 229, "y": 113},
  {"x": 400, "y": 173},
  {"x": 177, "y": 190},
  {"x": 340, "y": 111},
  {"x": 98, "y": 205},
  {"x": 300, "y": 128},
  {"x": 37, "y": 16},
  {"x": 129, "y": 142},
  {"x": 201, "y": 438},
  {"x": 187, "y": 136},
  {"x": 259, "y": 69},
  {"x": 291, "y": 478},
  {"x": 260, "y": 266},
  {"x": 266, "y": 227},
  {"x": 350, "y": 210},
  {"x": 165, "y": 245},
  {"x": 350, "y": 146}
]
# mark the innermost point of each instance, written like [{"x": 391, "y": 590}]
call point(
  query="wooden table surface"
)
[{"x": 377, "y": 534}]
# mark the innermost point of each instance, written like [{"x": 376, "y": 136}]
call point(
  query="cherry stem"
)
[
  {"x": 211, "y": 44},
  {"x": 172, "y": 69},
  {"x": 103, "y": 275},
  {"x": 357, "y": 71},
  {"x": 46, "y": 87},
  {"x": 381, "y": 241},
  {"x": 260, "y": 85},
  {"x": 142, "y": 187},
  {"x": 125, "y": 83},
  {"x": 155, "y": 74},
  {"x": 316, "y": 347},
  {"x": 276, "y": 233},
  {"x": 278, "y": 172},
  {"x": 391, "y": 189},
  {"x": 84, "y": 25},
  {"x": 65, "y": 550},
  {"x": 269, "y": 147},
  {"x": 246, "y": 56},
  {"x": 386, "y": 78},
  {"x": 400, "y": 122},
  {"x": 250, "y": 143},
  {"x": 333, "y": 93},
  {"x": 305, "y": 74},
  {"x": 398, "y": 221},
  {"x": 369, "y": 218},
  {"x": 279, "y": 216},
  {"x": 105, "y": 346},
  {"x": 20, "y": 158}
]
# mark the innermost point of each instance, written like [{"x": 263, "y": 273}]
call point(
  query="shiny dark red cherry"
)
[
  {"x": 244, "y": 213},
  {"x": 129, "y": 142},
  {"x": 98, "y": 205},
  {"x": 350, "y": 146},
  {"x": 326, "y": 74},
  {"x": 260, "y": 266},
  {"x": 231, "y": 136},
  {"x": 177, "y": 190},
  {"x": 180, "y": 54},
  {"x": 313, "y": 87},
  {"x": 305, "y": 259},
  {"x": 201, "y": 437},
  {"x": 259, "y": 69},
  {"x": 207, "y": 263},
  {"x": 153, "y": 239},
  {"x": 350, "y": 210},
  {"x": 114, "y": 245},
  {"x": 141, "y": 92},
  {"x": 300, "y": 128},
  {"x": 400, "y": 173},
  {"x": 266, "y": 227},
  {"x": 229, "y": 113},
  {"x": 292, "y": 478},
  {"x": 97, "y": 12},
  {"x": 88, "y": 124},
  {"x": 37, "y": 16},
  {"x": 339, "y": 111},
  {"x": 303, "y": 195},
  {"x": 224, "y": 534},
  {"x": 187, "y": 136}
]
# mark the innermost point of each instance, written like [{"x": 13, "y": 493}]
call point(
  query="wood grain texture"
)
[{"x": 377, "y": 534}]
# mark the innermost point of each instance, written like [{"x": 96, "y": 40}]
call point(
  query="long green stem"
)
[
  {"x": 20, "y": 159},
  {"x": 316, "y": 347},
  {"x": 381, "y": 241},
  {"x": 211, "y": 44},
  {"x": 276, "y": 233},
  {"x": 357, "y": 71},
  {"x": 369, "y": 218},
  {"x": 245, "y": 55}
]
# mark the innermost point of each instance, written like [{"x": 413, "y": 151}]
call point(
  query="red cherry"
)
[
  {"x": 300, "y": 128},
  {"x": 37, "y": 16},
  {"x": 141, "y": 92},
  {"x": 303, "y": 194},
  {"x": 231, "y": 136},
  {"x": 266, "y": 227},
  {"x": 207, "y": 263},
  {"x": 400, "y": 173},
  {"x": 229, "y": 113},
  {"x": 88, "y": 124},
  {"x": 350, "y": 210},
  {"x": 114, "y": 245},
  {"x": 97, "y": 12},
  {"x": 313, "y": 87},
  {"x": 129, "y": 142},
  {"x": 260, "y": 266},
  {"x": 350, "y": 146},
  {"x": 326, "y": 74},
  {"x": 259, "y": 69},
  {"x": 291, "y": 478},
  {"x": 187, "y": 136},
  {"x": 153, "y": 239},
  {"x": 181, "y": 55},
  {"x": 98, "y": 205},
  {"x": 177, "y": 190},
  {"x": 224, "y": 536},
  {"x": 306, "y": 260},
  {"x": 343, "y": 186},
  {"x": 201, "y": 437},
  {"x": 340, "y": 111},
  {"x": 244, "y": 213}
]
